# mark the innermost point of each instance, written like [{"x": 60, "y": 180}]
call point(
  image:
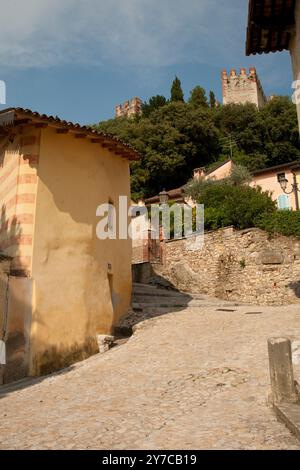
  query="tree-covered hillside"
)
[{"x": 174, "y": 137}]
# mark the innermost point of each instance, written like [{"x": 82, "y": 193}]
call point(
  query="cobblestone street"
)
[{"x": 193, "y": 379}]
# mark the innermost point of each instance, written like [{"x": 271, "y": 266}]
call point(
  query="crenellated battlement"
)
[
  {"x": 242, "y": 87},
  {"x": 130, "y": 108}
]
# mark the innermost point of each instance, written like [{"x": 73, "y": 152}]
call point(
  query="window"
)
[{"x": 283, "y": 202}]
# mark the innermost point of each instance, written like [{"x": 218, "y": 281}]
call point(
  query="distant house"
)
[
  {"x": 218, "y": 172},
  {"x": 65, "y": 285},
  {"x": 269, "y": 179},
  {"x": 275, "y": 26},
  {"x": 174, "y": 195}
]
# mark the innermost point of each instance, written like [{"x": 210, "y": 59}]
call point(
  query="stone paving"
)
[{"x": 192, "y": 379}]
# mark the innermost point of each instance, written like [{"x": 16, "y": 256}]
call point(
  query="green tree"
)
[
  {"x": 176, "y": 91},
  {"x": 283, "y": 222},
  {"x": 278, "y": 120},
  {"x": 175, "y": 137},
  {"x": 212, "y": 100},
  {"x": 198, "y": 98},
  {"x": 226, "y": 204},
  {"x": 239, "y": 175},
  {"x": 154, "y": 103},
  {"x": 172, "y": 141},
  {"x": 264, "y": 137}
]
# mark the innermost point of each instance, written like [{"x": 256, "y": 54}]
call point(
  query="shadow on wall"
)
[
  {"x": 295, "y": 286},
  {"x": 15, "y": 317},
  {"x": 88, "y": 176},
  {"x": 153, "y": 296},
  {"x": 12, "y": 327}
]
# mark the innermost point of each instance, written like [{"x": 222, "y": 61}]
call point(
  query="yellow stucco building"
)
[{"x": 64, "y": 285}]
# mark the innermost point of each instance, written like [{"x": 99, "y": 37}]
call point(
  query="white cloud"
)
[{"x": 134, "y": 32}]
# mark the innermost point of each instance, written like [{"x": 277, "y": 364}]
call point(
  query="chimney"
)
[{"x": 199, "y": 173}]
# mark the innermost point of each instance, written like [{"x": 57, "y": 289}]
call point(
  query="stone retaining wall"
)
[{"x": 247, "y": 266}]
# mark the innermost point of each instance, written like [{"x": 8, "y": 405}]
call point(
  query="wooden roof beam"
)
[
  {"x": 41, "y": 125},
  {"x": 275, "y": 25},
  {"x": 80, "y": 136},
  {"x": 21, "y": 122}
]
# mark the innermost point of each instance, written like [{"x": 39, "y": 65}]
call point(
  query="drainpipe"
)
[{"x": 296, "y": 190}]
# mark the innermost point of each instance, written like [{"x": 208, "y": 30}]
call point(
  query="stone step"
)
[
  {"x": 157, "y": 292},
  {"x": 150, "y": 312},
  {"x": 180, "y": 300},
  {"x": 142, "y": 306},
  {"x": 169, "y": 293},
  {"x": 152, "y": 288},
  {"x": 164, "y": 297},
  {"x": 170, "y": 305},
  {"x": 172, "y": 294},
  {"x": 138, "y": 285}
]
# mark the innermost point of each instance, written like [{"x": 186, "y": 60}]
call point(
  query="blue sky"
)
[{"x": 79, "y": 58}]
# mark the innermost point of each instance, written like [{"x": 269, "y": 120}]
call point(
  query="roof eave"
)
[
  {"x": 270, "y": 32},
  {"x": 14, "y": 117}
]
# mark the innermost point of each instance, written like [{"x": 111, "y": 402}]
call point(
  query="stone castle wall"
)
[
  {"x": 245, "y": 266},
  {"x": 130, "y": 108},
  {"x": 242, "y": 88}
]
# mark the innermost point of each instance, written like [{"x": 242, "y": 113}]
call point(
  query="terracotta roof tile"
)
[
  {"x": 270, "y": 25},
  {"x": 13, "y": 116}
]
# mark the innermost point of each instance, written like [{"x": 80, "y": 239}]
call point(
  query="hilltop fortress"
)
[
  {"x": 242, "y": 88},
  {"x": 130, "y": 108}
]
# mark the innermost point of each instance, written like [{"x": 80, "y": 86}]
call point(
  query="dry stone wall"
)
[{"x": 246, "y": 266}]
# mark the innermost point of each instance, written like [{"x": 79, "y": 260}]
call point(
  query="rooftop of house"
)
[
  {"x": 216, "y": 166},
  {"x": 270, "y": 25},
  {"x": 289, "y": 165},
  {"x": 272, "y": 169},
  {"x": 178, "y": 193},
  {"x": 12, "y": 118},
  {"x": 174, "y": 195}
]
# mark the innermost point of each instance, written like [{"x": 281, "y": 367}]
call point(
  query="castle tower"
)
[
  {"x": 242, "y": 88},
  {"x": 130, "y": 108}
]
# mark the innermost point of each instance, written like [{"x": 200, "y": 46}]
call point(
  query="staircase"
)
[{"x": 150, "y": 301}]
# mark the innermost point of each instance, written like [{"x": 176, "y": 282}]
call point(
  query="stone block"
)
[
  {"x": 281, "y": 370},
  {"x": 296, "y": 352},
  {"x": 104, "y": 342},
  {"x": 272, "y": 257},
  {"x": 289, "y": 414}
]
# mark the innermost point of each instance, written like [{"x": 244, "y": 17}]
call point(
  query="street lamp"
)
[
  {"x": 295, "y": 189},
  {"x": 163, "y": 197},
  {"x": 283, "y": 184}
]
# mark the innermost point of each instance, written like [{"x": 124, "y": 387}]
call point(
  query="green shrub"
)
[
  {"x": 240, "y": 175},
  {"x": 238, "y": 206},
  {"x": 281, "y": 222}
]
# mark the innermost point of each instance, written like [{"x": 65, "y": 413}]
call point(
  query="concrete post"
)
[{"x": 281, "y": 370}]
